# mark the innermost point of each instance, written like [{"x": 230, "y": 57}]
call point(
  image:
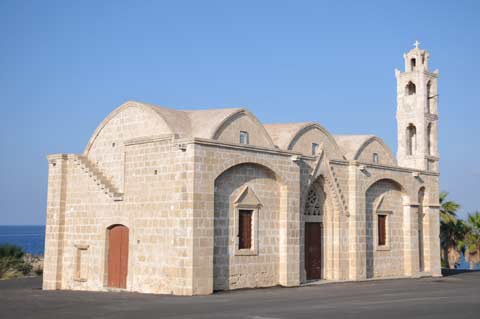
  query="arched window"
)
[
  {"x": 413, "y": 64},
  {"x": 315, "y": 202},
  {"x": 429, "y": 86},
  {"x": 429, "y": 139},
  {"x": 375, "y": 158},
  {"x": 410, "y": 89},
  {"x": 411, "y": 139}
]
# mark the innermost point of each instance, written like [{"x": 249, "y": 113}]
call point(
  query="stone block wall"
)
[
  {"x": 278, "y": 262},
  {"x": 157, "y": 209},
  {"x": 384, "y": 197},
  {"x": 233, "y": 269}
]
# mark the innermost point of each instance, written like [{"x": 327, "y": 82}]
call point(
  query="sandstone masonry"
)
[{"x": 188, "y": 202}]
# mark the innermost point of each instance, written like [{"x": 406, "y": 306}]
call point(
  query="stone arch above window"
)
[
  {"x": 315, "y": 201},
  {"x": 410, "y": 88}
]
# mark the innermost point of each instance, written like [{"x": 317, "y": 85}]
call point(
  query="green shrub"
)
[{"x": 12, "y": 262}]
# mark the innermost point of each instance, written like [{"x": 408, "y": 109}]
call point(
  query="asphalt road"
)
[{"x": 456, "y": 296}]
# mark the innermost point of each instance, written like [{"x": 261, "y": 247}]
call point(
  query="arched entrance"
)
[
  {"x": 314, "y": 234},
  {"x": 117, "y": 256}
]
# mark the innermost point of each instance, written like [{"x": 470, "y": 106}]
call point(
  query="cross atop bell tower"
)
[
  {"x": 417, "y": 112},
  {"x": 416, "y": 59}
]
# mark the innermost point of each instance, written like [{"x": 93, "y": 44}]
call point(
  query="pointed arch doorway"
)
[
  {"x": 314, "y": 230},
  {"x": 117, "y": 256}
]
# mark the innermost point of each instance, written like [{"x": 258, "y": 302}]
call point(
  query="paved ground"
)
[{"x": 456, "y": 296}]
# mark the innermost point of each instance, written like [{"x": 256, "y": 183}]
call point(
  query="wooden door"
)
[
  {"x": 313, "y": 250},
  {"x": 117, "y": 256},
  {"x": 245, "y": 229}
]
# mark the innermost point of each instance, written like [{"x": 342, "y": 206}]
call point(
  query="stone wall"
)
[
  {"x": 233, "y": 269},
  {"x": 157, "y": 209},
  {"x": 177, "y": 201},
  {"x": 384, "y": 197},
  {"x": 107, "y": 147}
]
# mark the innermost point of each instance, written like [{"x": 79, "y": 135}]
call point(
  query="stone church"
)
[{"x": 190, "y": 202}]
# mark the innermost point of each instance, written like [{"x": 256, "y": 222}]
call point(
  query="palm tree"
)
[
  {"x": 448, "y": 209},
  {"x": 452, "y": 231},
  {"x": 472, "y": 240},
  {"x": 452, "y": 235}
]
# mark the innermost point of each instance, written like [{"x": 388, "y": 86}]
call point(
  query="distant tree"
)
[{"x": 472, "y": 240}]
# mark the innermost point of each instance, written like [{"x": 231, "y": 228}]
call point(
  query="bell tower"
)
[{"x": 417, "y": 112}]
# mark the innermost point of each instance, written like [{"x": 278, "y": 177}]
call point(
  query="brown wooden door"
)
[
  {"x": 117, "y": 256},
  {"x": 245, "y": 229},
  {"x": 313, "y": 250}
]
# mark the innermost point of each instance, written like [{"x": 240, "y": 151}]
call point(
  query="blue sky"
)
[{"x": 65, "y": 65}]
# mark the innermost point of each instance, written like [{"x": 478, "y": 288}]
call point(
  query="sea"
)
[{"x": 32, "y": 239}]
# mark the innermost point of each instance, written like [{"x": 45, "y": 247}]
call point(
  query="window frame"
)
[
  {"x": 315, "y": 147},
  {"x": 81, "y": 263},
  {"x": 246, "y": 135},
  {"x": 376, "y": 238},
  {"x": 375, "y": 158},
  {"x": 253, "y": 250}
]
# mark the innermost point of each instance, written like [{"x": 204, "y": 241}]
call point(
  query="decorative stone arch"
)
[
  {"x": 218, "y": 129},
  {"x": 311, "y": 126},
  {"x": 368, "y": 142},
  {"x": 312, "y": 205},
  {"x": 239, "y": 161},
  {"x": 393, "y": 180}
]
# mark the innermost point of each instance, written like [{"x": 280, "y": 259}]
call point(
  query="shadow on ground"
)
[{"x": 453, "y": 272}]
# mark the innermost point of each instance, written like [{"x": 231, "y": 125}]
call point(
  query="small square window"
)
[
  {"x": 375, "y": 158},
  {"x": 314, "y": 148},
  {"x": 244, "y": 137}
]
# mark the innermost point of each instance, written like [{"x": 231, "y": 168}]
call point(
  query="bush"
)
[{"x": 12, "y": 262}]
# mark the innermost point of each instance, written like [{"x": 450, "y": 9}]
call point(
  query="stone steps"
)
[{"x": 98, "y": 178}]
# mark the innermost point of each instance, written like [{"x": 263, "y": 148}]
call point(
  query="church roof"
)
[
  {"x": 282, "y": 134},
  {"x": 195, "y": 123},
  {"x": 350, "y": 144},
  {"x": 353, "y": 145},
  {"x": 209, "y": 123}
]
